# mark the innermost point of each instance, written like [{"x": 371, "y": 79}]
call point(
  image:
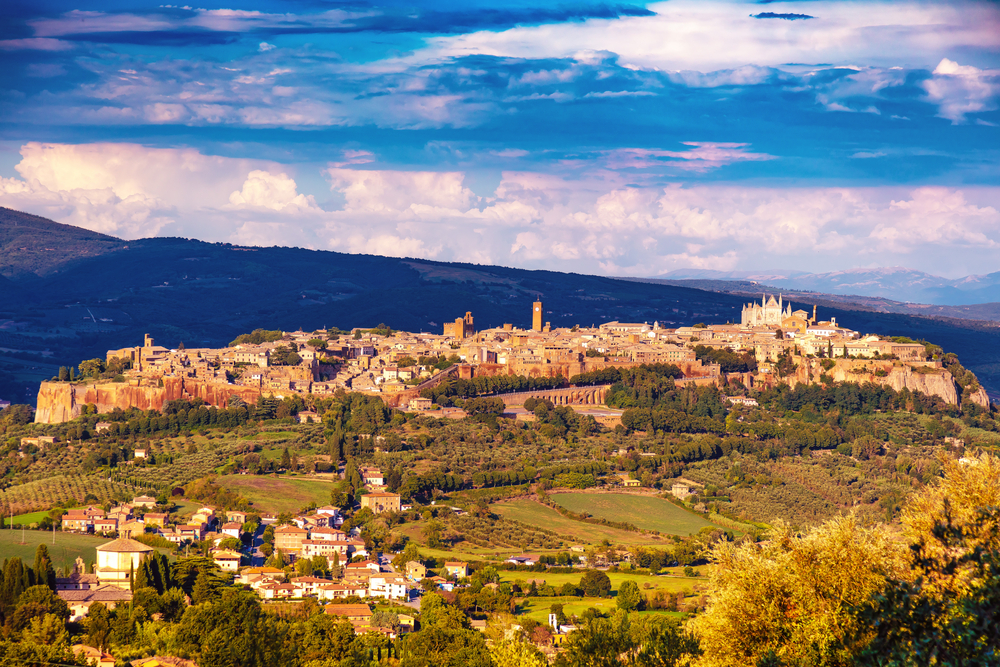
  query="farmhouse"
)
[{"x": 381, "y": 502}]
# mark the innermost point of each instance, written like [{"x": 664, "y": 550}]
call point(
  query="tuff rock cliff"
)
[
  {"x": 62, "y": 401},
  {"x": 926, "y": 377}
]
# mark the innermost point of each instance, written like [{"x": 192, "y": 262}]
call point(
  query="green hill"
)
[{"x": 34, "y": 246}]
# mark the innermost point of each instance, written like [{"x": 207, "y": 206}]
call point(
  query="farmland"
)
[
  {"x": 646, "y": 512},
  {"x": 65, "y": 550},
  {"x": 536, "y": 514},
  {"x": 279, "y": 494},
  {"x": 648, "y": 583},
  {"x": 538, "y": 608}
]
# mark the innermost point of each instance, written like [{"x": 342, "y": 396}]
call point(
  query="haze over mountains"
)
[
  {"x": 896, "y": 283},
  {"x": 68, "y": 294}
]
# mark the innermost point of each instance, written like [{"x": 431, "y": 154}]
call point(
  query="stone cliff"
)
[
  {"x": 928, "y": 378},
  {"x": 62, "y": 401}
]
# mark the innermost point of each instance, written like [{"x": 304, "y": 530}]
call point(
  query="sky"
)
[{"x": 615, "y": 138}]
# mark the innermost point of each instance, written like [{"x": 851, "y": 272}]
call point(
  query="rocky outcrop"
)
[
  {"x": 927, "y": 378},
  {"x": 62, "y": 401},
  {"x": 979, "y": 397}
]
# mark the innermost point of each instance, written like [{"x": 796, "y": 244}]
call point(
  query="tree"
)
[
  {"x": 286, "y": 459},
  {"x": 45, "y": 574},
  {"x": 628, "y": 641},
  {"x": 629, "y": 598},
  {"x": 49, "y": 630},
  {"x": 792, "y": 596},
  {"x": 509, "y": 647},
  {"x": 98, "y": 626},
  {"x": 596, "y": 584},
  {"x": 943, "y": 612}
]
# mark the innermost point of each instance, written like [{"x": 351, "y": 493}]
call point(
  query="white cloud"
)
[
  {"x": 691, "y": 35},
  {"x": 276, "y": 192},
  {"x": 398, "y": 191},
  {"x": 35, "y": 44},
  {"x": 962, "y": 89},
  {"x": 598, "y": 223},
  {"x": 703, "y": 157}
]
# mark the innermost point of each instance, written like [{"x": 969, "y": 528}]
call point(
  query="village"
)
[{"x": 361, "y": 578}]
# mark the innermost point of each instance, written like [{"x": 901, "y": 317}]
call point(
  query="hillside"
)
[
  {"x": 34, "y": 246},
  {"x": 71, "y": 308}
]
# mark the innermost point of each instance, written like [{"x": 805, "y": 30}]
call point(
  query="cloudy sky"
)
[{"x": 619, "y": 138}]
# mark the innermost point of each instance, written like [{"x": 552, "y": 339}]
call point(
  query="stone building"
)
[
  {"x": 381, "y": 502},
  {"x": 117, "y": 561}
]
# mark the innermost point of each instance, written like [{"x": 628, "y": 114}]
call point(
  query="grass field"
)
[
  {"x": 65, "y": 550},
  {"x": 646, "y": 512},
  {"x": 26, "y": 519},
  {"x": 538, "y": 608},
  {"x": 662, "y": 583},
  {"x": 536, "y": 514},
  {"x": 279, "y": 494}
]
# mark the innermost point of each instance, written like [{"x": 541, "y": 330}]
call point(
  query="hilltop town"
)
[{"x": 778, "y": 344}]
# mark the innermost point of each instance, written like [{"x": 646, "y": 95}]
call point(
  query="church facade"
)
[
  {"x": 771, "y": 313},
  {"x": 766, "y": 313}
]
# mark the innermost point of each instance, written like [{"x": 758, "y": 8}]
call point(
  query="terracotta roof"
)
[
  {"x": 290, "y": 529},
  {"x": 124, "y": 545},
  {"x": 106, "y": 593},
  {"x": 349, "y": 609}
]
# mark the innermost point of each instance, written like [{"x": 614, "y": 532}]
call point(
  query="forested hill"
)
[
  {"x": 110, "y": 292},
  {"x": 32, "y": 246}
]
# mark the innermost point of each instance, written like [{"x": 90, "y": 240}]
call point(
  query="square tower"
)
[{"x": 536, "y": 316}]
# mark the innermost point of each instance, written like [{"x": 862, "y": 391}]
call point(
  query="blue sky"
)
[{"x": 617, "y": 138}]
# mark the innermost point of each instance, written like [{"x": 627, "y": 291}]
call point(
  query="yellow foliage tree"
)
[
  {"x": 791, "y": 598},
  {"x": 509, "y": 647}
]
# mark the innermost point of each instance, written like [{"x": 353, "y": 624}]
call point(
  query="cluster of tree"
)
[
  {"x": 257, "y": 336},
  {"x": 631, "y": 377},
  {"x": 850, "y": 398},
  {"x": 446, "y": 391},
  {"x": 492, "y": 478},
  {"x": 649, "y": 390},
  {"x": 851, "y": 593},
  {"x": 206, "y": 491},
  {"x": 422, "y": 487},
  {"x": 729, "y": 361},
  {"x": 589, "y": 468},
  {"x": 439, "y": 363},
  {"x": 94, "y": 369},
  {"x": 285, "y": 355},
  {"x": 670, "y": 421},
  {"x": 382, "y": 329},
  {"x": 356, "y": 413},
  {"x": 557, "y": 421}
]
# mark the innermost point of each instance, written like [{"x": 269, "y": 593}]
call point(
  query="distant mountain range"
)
[
  {"x": 67, "y": 294},
  {"x": 896, "y": 283}
]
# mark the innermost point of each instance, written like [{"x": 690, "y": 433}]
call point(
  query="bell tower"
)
[{"x": 536, "y": 316}]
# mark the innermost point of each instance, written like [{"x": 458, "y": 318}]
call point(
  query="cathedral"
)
[
  {"x": 767, "y": 313},
  {"x": 776, "y": 314}
]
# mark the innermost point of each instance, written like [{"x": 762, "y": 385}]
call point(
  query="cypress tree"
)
[{"x": 45, "y": 574}]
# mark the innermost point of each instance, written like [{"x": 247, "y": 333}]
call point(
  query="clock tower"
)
[{"x": 536, "y": 316}]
